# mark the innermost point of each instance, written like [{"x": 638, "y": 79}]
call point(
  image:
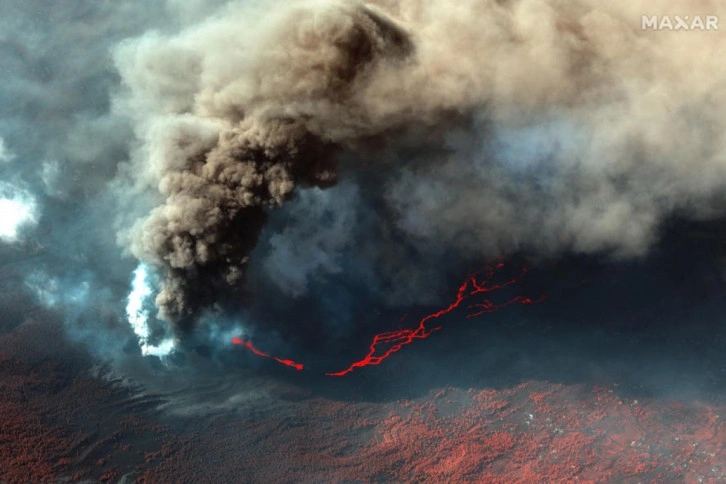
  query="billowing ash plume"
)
[
  {"x": 458, "y": 132},
  {"x": 556, "y": 126},
  {"x": 242, "y": 132}
]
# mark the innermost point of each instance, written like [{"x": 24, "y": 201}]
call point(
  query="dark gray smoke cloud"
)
[{"x": 474, "y": 129}]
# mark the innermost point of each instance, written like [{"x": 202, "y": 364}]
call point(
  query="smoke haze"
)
[{"x": 342, "y": 151}]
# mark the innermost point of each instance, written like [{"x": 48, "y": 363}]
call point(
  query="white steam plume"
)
[
  {"x": 17, "y": 210},
  {"x": 138, "y": 313}
]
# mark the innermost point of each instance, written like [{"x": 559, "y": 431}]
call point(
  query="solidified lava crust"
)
[
  {"x": 533, "y": 432},
  {"x": 60, "y": 423}
]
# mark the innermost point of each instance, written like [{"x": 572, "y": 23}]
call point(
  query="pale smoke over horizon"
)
[{"x": 557, "y": 126}]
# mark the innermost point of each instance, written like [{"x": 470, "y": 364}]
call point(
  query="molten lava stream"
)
[
  {"x": 240, "y": 342},
  {"x": 472, "y": 286}
]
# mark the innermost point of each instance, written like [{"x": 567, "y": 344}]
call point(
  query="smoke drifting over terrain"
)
[{"x": 478, "y": 128}]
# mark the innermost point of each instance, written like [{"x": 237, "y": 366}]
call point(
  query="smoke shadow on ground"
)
[{"x": 650, "y": 327}]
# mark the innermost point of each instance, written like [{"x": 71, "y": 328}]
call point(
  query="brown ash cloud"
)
[
  {"x": 227, "y": 156},
  {"x": 560, "y": 127}
]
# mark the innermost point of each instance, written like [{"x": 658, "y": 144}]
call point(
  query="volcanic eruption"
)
[
  {"x": 244, "y": 140},
  {"x": 590, "y": 155},
  {"x": 324, "y": 233}
]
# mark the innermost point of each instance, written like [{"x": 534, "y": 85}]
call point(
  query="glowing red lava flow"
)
[
  {"x": 240, "y": 342},
  {"x": 472, "y": 286}
]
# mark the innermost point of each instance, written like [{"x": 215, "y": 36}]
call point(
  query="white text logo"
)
[{"x": 677, "y": 22}]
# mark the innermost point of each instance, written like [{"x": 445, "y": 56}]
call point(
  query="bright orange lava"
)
[
  {"x": 240, "y": 342},
  {"x": 390, "y": 342},
  {"x": 393, "y": 341}
]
